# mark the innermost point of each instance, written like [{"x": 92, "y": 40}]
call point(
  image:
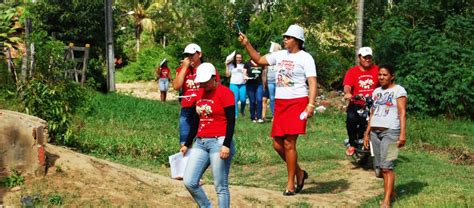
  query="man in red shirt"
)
[{"x": 359, "y": 80}]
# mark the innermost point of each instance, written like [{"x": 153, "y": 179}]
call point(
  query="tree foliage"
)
[{"x": 431, "y": 44}]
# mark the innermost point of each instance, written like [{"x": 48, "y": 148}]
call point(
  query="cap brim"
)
[{"x": 201, "y": 79}]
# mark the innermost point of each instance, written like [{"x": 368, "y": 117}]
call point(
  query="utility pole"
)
[
  {"x": 109, "y": 47},
  {"x": 360, "y": 29}
]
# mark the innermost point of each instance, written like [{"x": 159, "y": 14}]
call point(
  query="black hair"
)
[
  {"x": 389, "y": 67},
  {"x": 300, "y": 44},
  {"x": 234, "y": 62}
]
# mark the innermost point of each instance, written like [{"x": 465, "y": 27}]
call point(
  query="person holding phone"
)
[
  {"x": 212, "y": 134},
  {"x": 387, "y": 127},
  {"x": 294, "y": 68}
]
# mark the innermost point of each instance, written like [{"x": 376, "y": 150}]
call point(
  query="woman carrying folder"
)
[
  {"x": 386, "y": 127},
  {"x": 213, "y": 134}
]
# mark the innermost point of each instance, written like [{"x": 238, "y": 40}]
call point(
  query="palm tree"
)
[
  {"x": 360, "y": 27},
  {"x": 9, "y": 27},
  {"x": 139, "y": 11}
]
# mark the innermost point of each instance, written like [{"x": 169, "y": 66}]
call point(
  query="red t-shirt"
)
[
  {"x": 363, "y": 82},
  {"x": 210, "y": 108},
  {"x": 191, "y": 88},
  {"x": 164, "y": 72}
]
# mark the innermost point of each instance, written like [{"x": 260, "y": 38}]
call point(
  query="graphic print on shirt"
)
[
  {"x": 255, "y": 72},
  {"x": 285, "y": 74},
  {"x": 190, "y": 82},
  {"x": 204, "y": 110},
  {"x": 382, "y": 103},
  {"x": 366, "y": 84}
]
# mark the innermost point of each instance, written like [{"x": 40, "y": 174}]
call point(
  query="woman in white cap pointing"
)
[
  {"x": 212, "y": 134},
  {"x": 293, "y": 102}
]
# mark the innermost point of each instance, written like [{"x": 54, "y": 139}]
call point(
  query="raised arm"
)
[
  {"x": 227, "y": 71},
  {"x": 257, "y": 58},
  {"x": 179, "y": 79}
]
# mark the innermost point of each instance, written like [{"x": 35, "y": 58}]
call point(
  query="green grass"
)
[{"x": 143, "y": 133}]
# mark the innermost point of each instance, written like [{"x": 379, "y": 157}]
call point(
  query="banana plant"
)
[{"x": 10, "y": 27}]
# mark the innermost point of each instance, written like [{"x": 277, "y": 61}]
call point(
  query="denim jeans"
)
[
  {"x": 240, "y": 93},
  {"x": 205, "y": 152},
  {"x": 255, "y": 92},
  {"x": 271, "y": 92},
  {"x": 186, "y": 118}
]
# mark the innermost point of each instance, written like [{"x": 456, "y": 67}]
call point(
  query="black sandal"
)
[
  {"x": 300, "y": 187},
  {"x": 288, "y": 193}
]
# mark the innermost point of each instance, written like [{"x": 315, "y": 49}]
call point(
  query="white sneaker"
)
[
  {"x": 255, "y": 121},
  {"x": 260, "y": 121}
]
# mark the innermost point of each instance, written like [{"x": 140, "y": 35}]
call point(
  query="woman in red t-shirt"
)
[
  {"x": 164, "y": 76},
  {"x": 213, "y": 133}
]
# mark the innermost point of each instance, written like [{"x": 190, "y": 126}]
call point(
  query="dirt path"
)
[
  {"x": 87, "y": 181},
  {"x": 147, "y": 90}
]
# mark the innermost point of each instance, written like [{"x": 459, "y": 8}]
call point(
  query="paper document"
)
[
  {"x": 230, "y": 58},
  {"x": 162, "y": 62},
  {"x": 274, "y": 47},
  {"x": 178, "y": 164}
]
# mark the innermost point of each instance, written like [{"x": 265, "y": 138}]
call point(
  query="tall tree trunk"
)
[{"x": 360, "y": 27}]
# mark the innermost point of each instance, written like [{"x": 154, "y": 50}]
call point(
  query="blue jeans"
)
[
  {"x": 255, "y": 92},
  {"x": 205, "y": 152},
  {"x": 186, "y": 118},
  {"x": 271, "y": 92},
  {"x": 239, "y": 91}
]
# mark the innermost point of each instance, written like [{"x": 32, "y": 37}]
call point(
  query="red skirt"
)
[{"x": 287, "y": 117}]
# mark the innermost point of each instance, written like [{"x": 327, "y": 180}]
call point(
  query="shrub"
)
[
  {"x": 48, "y": 94},
  {"x": 144, "y": 67},
  {"x": 431, "y": 45}
]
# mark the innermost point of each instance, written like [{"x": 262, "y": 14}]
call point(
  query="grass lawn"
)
[{"x": 142, "y": 133}]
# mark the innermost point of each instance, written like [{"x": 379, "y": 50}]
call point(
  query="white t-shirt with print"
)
[
  {"x": 236, "y": 74},
  {"x": 292, "y": 69},
  {"x": 385, "y": 108}
]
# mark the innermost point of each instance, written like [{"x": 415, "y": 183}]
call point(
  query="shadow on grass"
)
[
  {"x": 410, "y": 189},
  {"x": 332, "y": 187}
]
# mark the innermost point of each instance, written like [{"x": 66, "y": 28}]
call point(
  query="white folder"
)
[{"x": 178, "y": 164}]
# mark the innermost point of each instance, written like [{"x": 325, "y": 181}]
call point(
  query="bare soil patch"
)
[
  {"x": 87, "y": 181},
  {"x": 147, "y": 90}
]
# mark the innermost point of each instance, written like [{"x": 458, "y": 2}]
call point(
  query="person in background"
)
[
  {"x": 265, "y": 101},
  {"x": 236, "y": 72},
  {"x": 359, "y": 80},
  {"x": 184, "y": 81},
  {"x": 256, "y": 79},
  {"x": 294, "y": 103},
  {"x": 271, "y": 80},
  {"x": 213, "y": 134},
  {"x": 163, "y": 75},
  {"x": 387, "y": 127}
]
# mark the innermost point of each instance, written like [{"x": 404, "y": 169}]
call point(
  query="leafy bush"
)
[
  {"x": 48, "y": 94},
  {"x": 144, "y": 68},
  {"x": 15, "y": 179},
  {"x": 431, "y": 44}
]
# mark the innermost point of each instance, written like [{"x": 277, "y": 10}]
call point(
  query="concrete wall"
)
[{"x": 22, "y": 140}]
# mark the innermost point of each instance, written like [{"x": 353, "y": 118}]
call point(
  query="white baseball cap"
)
[
  {"x": 365, "y": 51},
  {"x": 295, "y": 31},
  {"x": 192, "y": 48},
  {"x": 204, "y": 72}
]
